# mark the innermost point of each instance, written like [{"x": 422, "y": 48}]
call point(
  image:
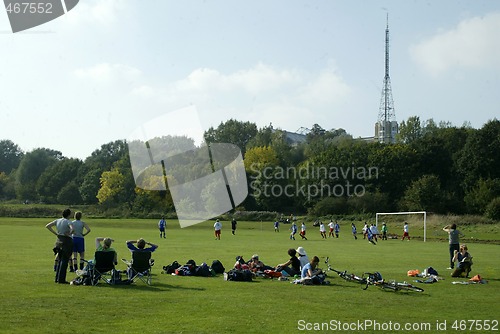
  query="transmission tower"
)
[{"x": 386, "y": 127}]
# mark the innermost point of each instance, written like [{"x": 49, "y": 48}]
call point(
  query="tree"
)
[
  {"x": 263, "y": 137},
  {"x": 260, "y": 157},
  {"x": 397, "y": 167},
  {"x": 478, "y": 198},
  {"x": 101, "y": 160},
  {"x": 266, "y": 186},
  {"x": 233, "y": 132},
  {"x": 493, "y": 209},
  {"x": 32, "y": 165},
  {"x": 479, "y": 157},
  {"x": 69, "y": 194},
  {"x": 410, "y": 130},
  {"x": 112, "y": 191},
  {"x": 424, "y": 194},
  {"x": 7, "y": 190},
  {"x": 10, "y": 156},
  {"x": 90, "y": 186},
  {"x": 55, "y": 177}
]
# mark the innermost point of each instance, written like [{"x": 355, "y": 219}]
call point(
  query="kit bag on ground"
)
[
  {"x": 238, "y": 275},
  {"x": 218, "y": 267}
]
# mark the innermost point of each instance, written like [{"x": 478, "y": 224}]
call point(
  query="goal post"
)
[{"x": 405, "y": 213}]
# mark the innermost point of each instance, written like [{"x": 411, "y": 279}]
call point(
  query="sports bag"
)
[
  {"x": 238, "y": 275},
  {"x": 218, "y": 267}
]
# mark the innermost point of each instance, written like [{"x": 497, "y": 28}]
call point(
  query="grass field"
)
[{"x": 32, "y": 303}]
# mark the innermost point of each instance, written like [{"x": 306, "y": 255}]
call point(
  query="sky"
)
[{"x": 107, "y": 67}]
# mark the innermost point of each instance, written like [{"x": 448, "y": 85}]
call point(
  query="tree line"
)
[{"x": 439, "y": 168}]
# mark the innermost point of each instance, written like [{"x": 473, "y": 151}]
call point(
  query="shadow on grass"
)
[{"x": 155, "y": 286}]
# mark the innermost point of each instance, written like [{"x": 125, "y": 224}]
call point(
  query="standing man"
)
[
  {"x": 337, "y": 229},
  {"x": 162, "y": 225},
  {"x": 217, "y": 229},
  {"x": 354, "y": 231},
  {"x": 322, "y": 230},
  {"x": 303, "y": 231},
  {"x": 454, "y": 241},
  {"x": 277, "y": 226},
  {"x": 64, "y": 244},
  {"x": 384, "y": 231},
  {"x": 406, "y": 232},
  {"x": 331, "y": 225},
  {"x": 233, "y": 226},
  {"x": 293, "y": 228},
  {"x": 78, "y": 241}
]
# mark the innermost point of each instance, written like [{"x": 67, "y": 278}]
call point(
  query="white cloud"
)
[
  {"x": 261, "y": 94},
  {"x": 327, "y": 88},
  {"x": 255, "y": 80},
  {"x": 474, "y": 43}
]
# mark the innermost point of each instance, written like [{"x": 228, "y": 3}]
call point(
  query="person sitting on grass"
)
[
  {"x": 292, "y": 266},
  {"x": 255, "y": 264},
  {"x": 464, "y": 260},
  {"x": 311, "y": 274}
]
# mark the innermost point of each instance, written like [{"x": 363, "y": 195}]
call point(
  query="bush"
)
[
  {"x": 252, "y": 215},
  {"x": 328, "y": 206},
  {"x": 29, "y": 211},
  {"x": 493, "y": 209}
]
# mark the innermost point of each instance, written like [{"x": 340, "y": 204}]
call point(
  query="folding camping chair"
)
[
  {"x": 139, "y": 267},
  {"x": 102, "y": 268}
]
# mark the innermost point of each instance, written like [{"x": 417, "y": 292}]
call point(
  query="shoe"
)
[
  {"x": 449, "y": 268},
  {"x": 63, "y": 282}
]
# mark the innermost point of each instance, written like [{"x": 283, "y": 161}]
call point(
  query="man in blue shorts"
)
[{"x": 78, "y": 241}]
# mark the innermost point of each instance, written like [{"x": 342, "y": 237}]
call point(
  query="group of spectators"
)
[
  {"x": 298, "y": 266},
  {"x": 70, "y": 240}
]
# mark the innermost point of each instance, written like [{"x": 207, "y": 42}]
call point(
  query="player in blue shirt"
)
[{"x": 162, "y": 225}]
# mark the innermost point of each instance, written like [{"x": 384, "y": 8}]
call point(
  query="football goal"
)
[{"x": 424, "y": 213}]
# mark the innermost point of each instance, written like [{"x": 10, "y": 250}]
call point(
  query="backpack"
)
[
  {"x": 432, "y": 271},
  {"x": 238, "y": 275},
  {"x": 170, "y": 269},
  {"x": 203, "y": 270},
  {"x": 218, "y": 267}
]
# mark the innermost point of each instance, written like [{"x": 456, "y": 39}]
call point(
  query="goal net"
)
[{"x": 424, "y": 213}]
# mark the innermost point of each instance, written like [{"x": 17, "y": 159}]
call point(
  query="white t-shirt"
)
[{"x": 217, "y": 226}]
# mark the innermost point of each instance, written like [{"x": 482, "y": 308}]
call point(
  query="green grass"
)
[{"x": 32, "y": 303}]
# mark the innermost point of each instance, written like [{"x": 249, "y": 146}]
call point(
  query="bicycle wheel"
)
[
  {"x": 388, "y": 285},
  {"x": 408, "y": 287}
]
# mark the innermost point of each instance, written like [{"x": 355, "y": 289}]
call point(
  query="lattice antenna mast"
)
[{"x": 386, "y": 110}]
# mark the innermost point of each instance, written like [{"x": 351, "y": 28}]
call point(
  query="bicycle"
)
[
  {"x": 377, "y": 280},
  {"x": 347, "y": 276}
]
